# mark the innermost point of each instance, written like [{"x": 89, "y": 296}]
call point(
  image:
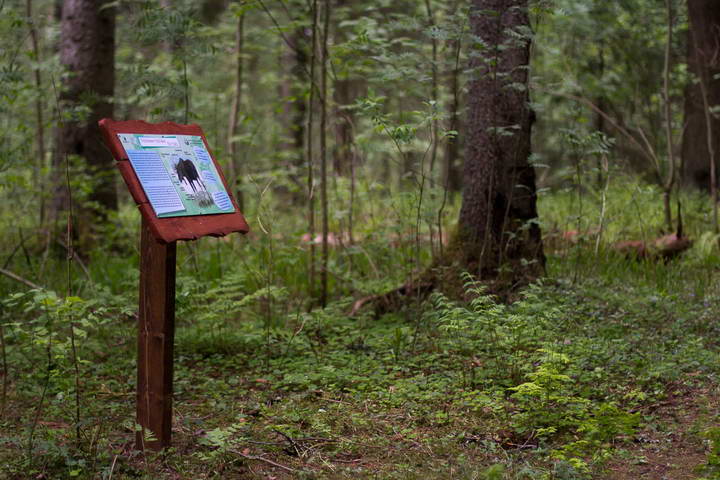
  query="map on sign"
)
[{"x": 177, "y": 174}]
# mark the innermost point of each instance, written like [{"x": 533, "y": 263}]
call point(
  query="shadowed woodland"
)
[{"x": 484, "y": 239}]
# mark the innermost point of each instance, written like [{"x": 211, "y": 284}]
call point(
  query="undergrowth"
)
[{"x": 561, "y": 384}]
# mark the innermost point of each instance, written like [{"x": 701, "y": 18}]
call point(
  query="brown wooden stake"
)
[{"x": 156, "y": 332}]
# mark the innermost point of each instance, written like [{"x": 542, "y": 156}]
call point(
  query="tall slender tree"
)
[
  {"x": 343, "y": 93},
  {"x": 497, "y": 227},
  {"x": 292, "y": 88},
  {"x": 310, "y": 155},
  {"x": 234, "y": 169},
  {"x": 324, "y": 55},
  {"x": 39, "y": 106}
]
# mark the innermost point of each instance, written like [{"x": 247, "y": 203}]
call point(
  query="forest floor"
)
[
  {"x": 670, "y": 447},
  {"x": 606, "y": 369},
  {"x": 611, "y": 374}
]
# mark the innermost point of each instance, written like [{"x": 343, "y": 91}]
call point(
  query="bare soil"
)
[{"x": 671, "y": 446}]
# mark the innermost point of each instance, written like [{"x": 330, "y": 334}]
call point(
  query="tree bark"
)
[
  {"x": 451, "y": 172},
  {"x": 235, "y": 169},
  {"x": 323, "y": 153},
  {"x": 210, "y": 10},
  {"x": 39, "y": 109},
  {"x": 344, "y": 92},
  {"x": 498, "y": 235},
  {"x": 703, "y": 58},
  {"x": 292, "y": 90},
  {"x": 310, "y": 155},
  {"x": 343, "y": 95},
  {"x": 434, "y": 88},
  {"x": 87, "y": 52},
  {"x": 452, "y": 166}
]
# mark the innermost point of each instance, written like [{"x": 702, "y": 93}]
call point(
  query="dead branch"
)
[
  {"x": 263, "y": 459},
  {"x": 290, "y": 440},
  {"x": 20, "y": 279},
  {"x": 383, "y": 302}
]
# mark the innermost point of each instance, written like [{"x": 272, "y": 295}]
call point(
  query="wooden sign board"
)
[
  {"x": 172, "y": 227},
  {"x": 182, "y": 195}
]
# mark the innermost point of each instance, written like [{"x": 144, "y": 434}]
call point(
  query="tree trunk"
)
[
  {"x": 210, "y": 10},
  {"x": 323, "y": 154},
  {"x": 452, "y": 175},
  {"x": 498, "y": 235},
  {"x": 344, "y": 92},
  {"x": 310, "y": 155},
  {"x": 451, "y": 172},
  {"x": 344, "y": 136},
  {"x": 299, "y": 83},
  {"x": 292, "y": 90},
  {"x": 300, "y": 72},
  {"x": 235, "y": 169},
  {"x": 39, "y": 109},
  {"x": 87, "y": 52},
  {"x": 703, "y": 58},
  {"x": 434, "y": 88}
]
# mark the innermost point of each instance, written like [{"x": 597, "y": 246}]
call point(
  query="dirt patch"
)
[{"x": 670, "y": 447}]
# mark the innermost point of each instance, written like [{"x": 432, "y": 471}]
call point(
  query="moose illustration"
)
[{"x": 186, "y": 171}]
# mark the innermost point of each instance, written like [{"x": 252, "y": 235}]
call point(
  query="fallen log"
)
[
  {"x": 665, "y": 248},
  {"x": 386, "y": 302}
]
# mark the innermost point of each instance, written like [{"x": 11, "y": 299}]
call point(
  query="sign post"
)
[
  {"x": 182, "y": 195},
  {"x": 156, "y": 332}
]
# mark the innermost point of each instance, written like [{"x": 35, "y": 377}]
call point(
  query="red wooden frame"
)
[{"x": 168, "y": 230}]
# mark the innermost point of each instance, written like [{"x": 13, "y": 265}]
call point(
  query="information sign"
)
[
  {"x": 177, "y": 174},
  {"x": 182, "y": 195},
  {"x": 174, "y": 179}
]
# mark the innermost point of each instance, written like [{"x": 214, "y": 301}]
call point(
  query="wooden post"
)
[{"x": 156, "y": 332}]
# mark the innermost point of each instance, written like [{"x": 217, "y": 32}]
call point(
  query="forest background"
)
[{"x": 344, "y": 337}]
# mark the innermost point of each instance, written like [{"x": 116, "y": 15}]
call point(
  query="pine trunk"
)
[
  {"x": 235, "y": 169},
  {"x": 87, "y": 52},
  {"x": 498, "y": 235},
  {"x": 294, "y": 67},
  {"x": 344, "y": 93}
]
